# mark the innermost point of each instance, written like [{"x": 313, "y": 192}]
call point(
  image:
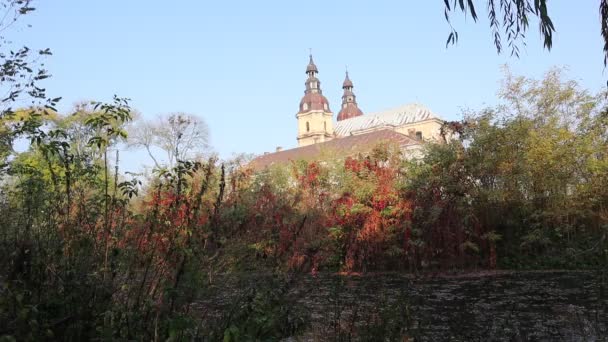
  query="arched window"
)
[
  {"x": 307, "y": 127},
  {"x": 419, "y": 135},
  {"x": 325, "y": 126}
]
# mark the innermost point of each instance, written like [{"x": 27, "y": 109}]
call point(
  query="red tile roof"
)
[
  {"x": 350, "y": 111},
  {"x": 315, "y": 101},
  {"x": 344, "y": 146}
]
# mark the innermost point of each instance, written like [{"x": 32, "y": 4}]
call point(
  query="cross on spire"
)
[{"x": 311, "y": 69}]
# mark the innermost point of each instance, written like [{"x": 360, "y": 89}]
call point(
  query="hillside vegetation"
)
[{"x": 89, "y": 252}]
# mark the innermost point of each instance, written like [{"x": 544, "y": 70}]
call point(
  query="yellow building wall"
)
[
  {"x": 430, "y": 129},
  {"x": 321, "y": 127}
]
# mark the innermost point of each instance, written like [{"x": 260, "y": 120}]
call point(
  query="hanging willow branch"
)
[
  {"x": 509, "y": 19},
  {"x": 604, "y": 19}
]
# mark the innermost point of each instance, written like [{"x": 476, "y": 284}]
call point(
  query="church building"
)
[{"x": 408, "y": 126}]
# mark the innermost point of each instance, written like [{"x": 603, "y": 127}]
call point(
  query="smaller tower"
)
[
  {"x": 349, "y": 101},
  {"x": 315, "y": 119}
]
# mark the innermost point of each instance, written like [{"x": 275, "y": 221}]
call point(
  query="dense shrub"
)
[{"x": 87, "y": 252}]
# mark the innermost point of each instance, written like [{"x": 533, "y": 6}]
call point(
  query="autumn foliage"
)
[
  {"x": 89, "y": 252},
  {"x": 353, "y": 215}
]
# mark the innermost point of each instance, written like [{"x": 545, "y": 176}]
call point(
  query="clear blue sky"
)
[{"x": 240, "y": 64}]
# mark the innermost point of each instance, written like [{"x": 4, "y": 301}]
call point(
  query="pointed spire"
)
[
  {"x": 313, "y": 85},
  {"x": 311, "y": 69},
  {"x": 347, "y": 82},
  {"x": 313, "y": 95},
  {"x": 349, "y": 109}
]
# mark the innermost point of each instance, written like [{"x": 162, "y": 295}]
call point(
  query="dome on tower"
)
[
  {"x": 313, "y": 96},
  {"x": 311, "y": 67},
  {"x": 314, "y": 101},
  {"x": 349, "y": 109},
  {"x": 347, "y": 82}
]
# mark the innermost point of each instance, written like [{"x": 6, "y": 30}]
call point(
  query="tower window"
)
[
  {"x": 325, "y": 106},
  {"x": 419, "y": 135},
  {"x": 305, "y": 107},
  {"x": 325, "y": 126},
  {"x": 307, "y": 127}
]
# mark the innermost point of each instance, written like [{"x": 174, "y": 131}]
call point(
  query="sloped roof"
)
[
  {"x": 315, "y": 101},
  {"x": 351, "y": 110},
  {"x": 390, "y": 118},
  {"x": 344, "y": 146}
]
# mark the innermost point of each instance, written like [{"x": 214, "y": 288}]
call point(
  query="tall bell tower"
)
[
  {"x": 315, "y": 119},
  {"x": 349, "y": 108}
]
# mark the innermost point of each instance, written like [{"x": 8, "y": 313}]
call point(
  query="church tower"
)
[
  {"x": 349, "y": 101},
  {"x": 315, "y": 119}
]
